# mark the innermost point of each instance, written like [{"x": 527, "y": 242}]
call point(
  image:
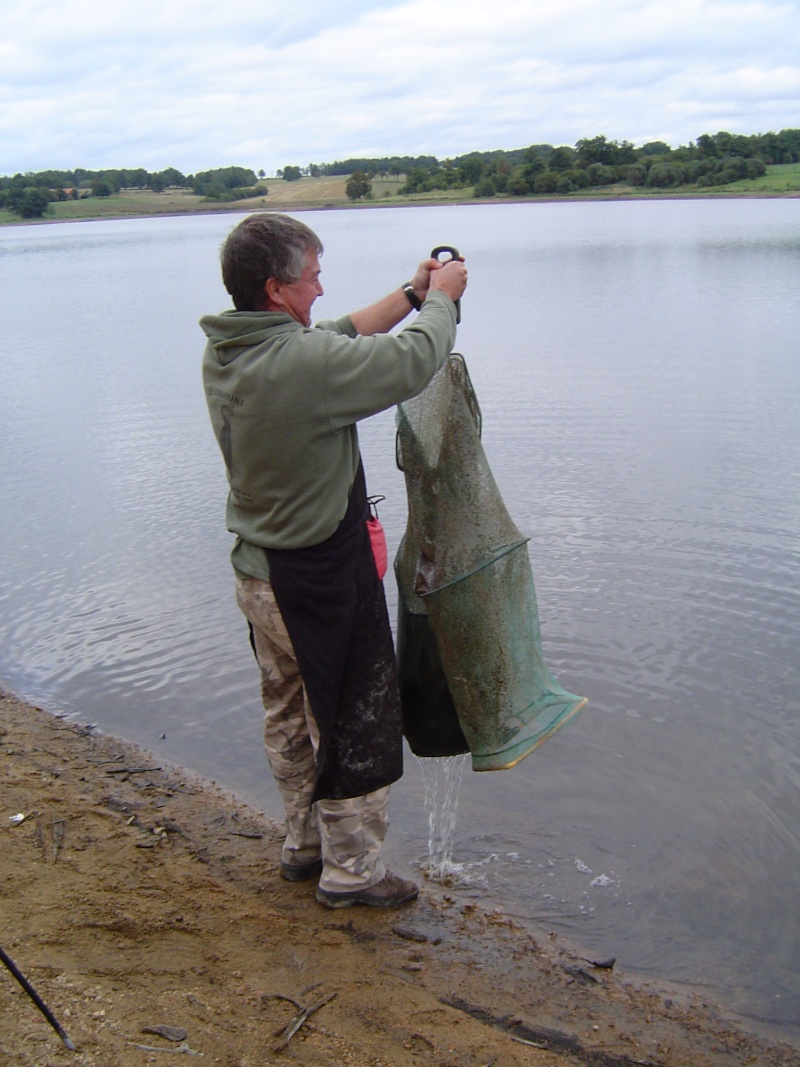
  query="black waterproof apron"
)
[{"x": 332, "y": 602}]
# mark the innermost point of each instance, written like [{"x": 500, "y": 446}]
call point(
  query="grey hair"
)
[{"x": 262, "y": 246}]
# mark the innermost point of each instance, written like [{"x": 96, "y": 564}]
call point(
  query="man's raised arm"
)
[{"x": 449, "y": 278}]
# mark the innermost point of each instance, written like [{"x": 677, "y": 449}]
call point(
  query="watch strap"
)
[{"x": 412, "y": 297}]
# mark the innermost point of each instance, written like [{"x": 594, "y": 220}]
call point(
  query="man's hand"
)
[
  {"x": 449, "y": 278},
  {"x": 428, "y": 268},
  {"x": 422, "y": 279}
]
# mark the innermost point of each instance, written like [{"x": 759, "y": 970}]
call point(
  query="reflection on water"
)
[{"x": 637, "y": 370}]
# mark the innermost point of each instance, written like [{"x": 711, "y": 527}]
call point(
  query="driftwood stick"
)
[
  {"x": 37, "y": 1000},
  {"x": 522, "y": 1041},
  {"x": 182, "y": 1048},
  {"x": 298, "y": 1021},
  {"x": 280, "y": 996},
  {"x": 131, "y": 770},
  {"x": 57, "y": 833}
]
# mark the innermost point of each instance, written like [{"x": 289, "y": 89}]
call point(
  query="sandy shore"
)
[{"x": 136, "y": 896}]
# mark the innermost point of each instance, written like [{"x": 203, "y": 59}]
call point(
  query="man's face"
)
[{"x": 297, "y": 298}]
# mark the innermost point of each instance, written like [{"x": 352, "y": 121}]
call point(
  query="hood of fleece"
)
[{"x": 231, "y": 331}]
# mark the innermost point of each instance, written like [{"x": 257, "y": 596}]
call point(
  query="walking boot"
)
[{"x": 390, "y": 892}]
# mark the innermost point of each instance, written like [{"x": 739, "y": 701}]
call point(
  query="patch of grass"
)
[
  {"x": 386, "y": 187},
  {"x": 780, "y": 178},
  {"x": 306, "y": 191},
  {"x": 128, "y": 202}
]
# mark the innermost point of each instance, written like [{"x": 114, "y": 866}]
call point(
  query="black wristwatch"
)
[{"x": 413, "y": 299}]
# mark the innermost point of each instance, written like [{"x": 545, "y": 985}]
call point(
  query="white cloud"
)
[{"x": 194, "y": 85}]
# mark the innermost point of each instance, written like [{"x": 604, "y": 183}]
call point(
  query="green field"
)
[{"x": 780, "y": 180}]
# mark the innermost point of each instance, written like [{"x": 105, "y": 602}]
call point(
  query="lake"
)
[{"x": 638, "y": 370}]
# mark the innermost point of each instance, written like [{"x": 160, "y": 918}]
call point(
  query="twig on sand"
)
[
  {"x": 523, "y": 1041},
  {"x": 303, "y": 1015},
  {"x": 55, "y": 829},
  {"x": 280, "y": 996},
  {"x": 131, "y": 770},
  {"x": 57, "y": 832},
  {"x": 37, "y": 1000},
  {"x": 157, "y": 1048}
]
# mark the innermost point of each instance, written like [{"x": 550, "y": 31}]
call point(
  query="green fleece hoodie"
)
[{"x": 284, "y": 402}]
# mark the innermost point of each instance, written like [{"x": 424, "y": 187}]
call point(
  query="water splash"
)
[{"x": 441, "y": 778}]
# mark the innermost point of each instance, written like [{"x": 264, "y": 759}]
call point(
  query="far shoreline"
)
[{"x": 291, "y": 206}]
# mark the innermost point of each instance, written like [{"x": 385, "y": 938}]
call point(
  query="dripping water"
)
[{"x": 441, "y": 778}]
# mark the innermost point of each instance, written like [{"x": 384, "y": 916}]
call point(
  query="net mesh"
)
[{"x": 468, "y": 619}]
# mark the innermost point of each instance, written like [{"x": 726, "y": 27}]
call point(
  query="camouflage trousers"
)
[{"x": 348, "y": 834}]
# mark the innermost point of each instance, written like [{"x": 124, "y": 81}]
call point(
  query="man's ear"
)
[{"x": 272, "y": 291}]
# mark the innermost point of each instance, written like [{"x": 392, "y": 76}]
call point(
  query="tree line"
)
[
  {"x": 542, "y": 169},
  {"x": 28, "y": 195},
  {"x": 539, "y": 170}
]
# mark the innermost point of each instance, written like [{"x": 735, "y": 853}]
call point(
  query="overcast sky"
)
[{"x": 265, "y": 83}]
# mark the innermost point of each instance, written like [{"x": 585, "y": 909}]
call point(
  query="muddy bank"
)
[{"x": 136, "y": 896}]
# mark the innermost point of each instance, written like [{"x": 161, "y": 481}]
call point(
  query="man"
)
[{"x": 284, "y": 401}]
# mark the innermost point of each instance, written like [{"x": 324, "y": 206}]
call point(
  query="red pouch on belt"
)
[{"x": 377, "y": 537}]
